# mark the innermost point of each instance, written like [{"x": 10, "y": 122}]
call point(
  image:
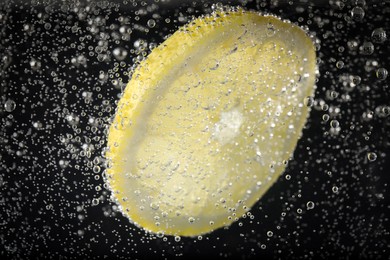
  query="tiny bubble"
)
[
  {"x": 381, "y": 73},
  {"x": 10, "y": 105},
  {"x": 310, "y": 205},
  {"x": 371, "y": 156},
  {"x": 151, "y": 23}
]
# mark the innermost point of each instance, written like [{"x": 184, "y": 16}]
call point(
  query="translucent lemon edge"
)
[{"x": 190, "y": 34}]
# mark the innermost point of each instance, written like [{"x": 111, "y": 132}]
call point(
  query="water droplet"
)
[
  {"x": 9, "y": 105},
  {"x": 177, "y": 238},
  {"x": 371, "y": 156},
  {"x": 95, "y": 202},
  {"x": 270, "y": 233},
  {"x": 335, "y": 189},
  {"x": 191, "y": 220}
]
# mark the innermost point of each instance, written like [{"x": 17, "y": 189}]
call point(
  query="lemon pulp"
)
[{"x": 208, "y": 120}]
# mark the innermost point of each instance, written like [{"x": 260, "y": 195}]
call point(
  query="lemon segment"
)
[{"x": 208, "y": 120}]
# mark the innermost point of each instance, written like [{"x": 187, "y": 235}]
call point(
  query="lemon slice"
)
[{"x": 208, "y": 121}]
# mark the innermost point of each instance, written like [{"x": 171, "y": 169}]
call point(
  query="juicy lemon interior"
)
[{"x": 208, "y": 120}]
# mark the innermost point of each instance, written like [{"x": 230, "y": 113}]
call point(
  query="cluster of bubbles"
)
[{"x": 63, "y": 67}]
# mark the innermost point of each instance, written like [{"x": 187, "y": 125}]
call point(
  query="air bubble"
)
[
  {"x": 95, "y": 202},
  {"x": 160, "y": 234},
  {"x": 334, "y": 123},
  {"x": 35, "y": 65},
  {"x": 371, "y": 156},
  {"x": 96, "y": 169},
  {"x": 151, "y": 23},
  {"x": 9, "y": 105},
  {"x": 367, "y": 48},
  {"x": 360, "y": 2},
  {"x": 63, "y": 164},
  {"x": 37, "y": 125},
  {"x": 270, "y": 30},
  {"x": 125, "y": 29},
  {"x": 325, "y": 117},
  {"x": 309, "y": 101},
  {"x": 357, "y": 13},
  {"x": 310, "y": 205},
  {"x": 340, "y": 64},
  {"x": 379, "y": 35},
  {"x": 381, "y": 73},
  {"x": 154, "y": 206},
  {"x": 120, "y": 53},
  {"x": 73, "y": 119},
  {"x": 47, "y": 26}
]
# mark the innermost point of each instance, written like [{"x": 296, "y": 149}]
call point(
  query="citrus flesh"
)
[{"x": 208, "y": 121}]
